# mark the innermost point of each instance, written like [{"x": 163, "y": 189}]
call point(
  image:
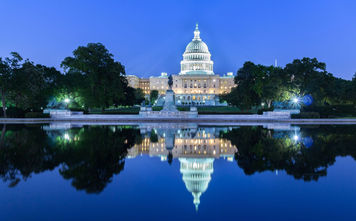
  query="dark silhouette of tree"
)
[
  {"x": 90, "y": 157},
  {"x": 100, "y": 153},
  {"x": 25, "y": 151},
  {"x": 259, "y": 150}
]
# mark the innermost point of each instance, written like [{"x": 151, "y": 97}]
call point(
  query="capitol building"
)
[{"x": 196, "y": 84}]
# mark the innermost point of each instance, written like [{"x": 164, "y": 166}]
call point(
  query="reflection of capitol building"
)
[
  {"x": 187, "y": 143},
  {"x": 196, "y": 83},
  {"x": 196, "y": 148}
]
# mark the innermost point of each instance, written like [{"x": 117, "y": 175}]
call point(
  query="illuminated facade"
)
[
  {"x": 159, "y": 83},
  {"x": 136, "y": 82},
  {"x": 196, "y": 84}
]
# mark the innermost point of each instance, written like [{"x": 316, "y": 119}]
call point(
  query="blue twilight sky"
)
[{"x": 149, "y": 37}]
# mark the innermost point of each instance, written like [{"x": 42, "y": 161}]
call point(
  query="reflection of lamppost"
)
[{"x": 66, "y": 136}]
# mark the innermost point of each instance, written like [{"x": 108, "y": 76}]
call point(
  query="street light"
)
[
  {"x": 295, "y": 100},
  {"x": 66, "y": 100}
]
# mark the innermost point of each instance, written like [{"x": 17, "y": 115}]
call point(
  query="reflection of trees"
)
[
  {"x": 25, "y": 151},
  {"x": 96, "y": 156},
  {"x": 259, "y": 150},
  {"x": 89, "y": 156}
]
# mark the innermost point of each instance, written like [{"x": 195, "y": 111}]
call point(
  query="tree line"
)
[
  {"x": 260, "y": 85},
  {"x": 91, "y": 79}
]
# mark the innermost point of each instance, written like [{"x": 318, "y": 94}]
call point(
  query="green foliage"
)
[
  {"x": 264, "y": 84},
  {"x": 8, "y": 67},
  {"x": 256, "y": 84},
  {"x": 100, "y": 80},
  {"x": 26, "y": 85},
  {"x": 121, "y": 110},
  {"x": 34, "y": 86},
  {"x": 134, "y": 96},
  {"x": 153, "y": 137},
  {"x": 157, "y": 108},
  {"x": 221, "y": 110},
  {"x": 153, "y": 96}
]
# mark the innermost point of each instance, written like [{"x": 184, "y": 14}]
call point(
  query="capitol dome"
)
[{"x": 196, "y": 58}]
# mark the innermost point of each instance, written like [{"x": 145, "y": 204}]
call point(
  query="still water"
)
[{"x": 177, "y": 172}]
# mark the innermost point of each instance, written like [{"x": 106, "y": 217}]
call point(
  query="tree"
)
[
  {"x": 249, "y": 80},
  {"x": 134, "y": 96},
  {"x": 274, "y": 85},
  {"x": 7, "y": 68},
  {"x": 139, "y": 96},
  {"x": 153, "y": 96},
  {"x": 34, "y": 86},
  {"x": 103, "y": 82},
  {"x": 353, "y": 89},
  {"x": 308, "y": 76}
]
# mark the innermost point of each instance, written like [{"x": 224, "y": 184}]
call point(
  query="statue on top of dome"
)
[{"x": 196, "y": 32}]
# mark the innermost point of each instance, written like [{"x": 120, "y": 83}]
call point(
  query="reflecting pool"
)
[{"x": 177, "y": 172}]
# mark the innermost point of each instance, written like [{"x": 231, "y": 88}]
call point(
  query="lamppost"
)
[{"x": 67, "y": 101}]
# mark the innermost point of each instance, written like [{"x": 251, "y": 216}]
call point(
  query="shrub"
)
[
  {"x": 36, "y": 115},
  {"x": 123, "y": 110},
  {"x": 331, "y": 111},
  {"x": 13, "y": 112},
  {"x": 306, "y": 115},
  {"x": 157, "y": 108}
]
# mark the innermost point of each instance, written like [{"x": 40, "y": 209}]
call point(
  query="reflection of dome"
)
[
  {"x": 196, "y": 176},
  {"x": 196, "y": 58}
]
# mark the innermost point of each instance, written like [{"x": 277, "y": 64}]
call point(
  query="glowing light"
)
[
  {"x": 295, "y": 100},
  {"x": 67, "y": 100},
  {"x": 66, "y": 136},
  {"x": 295, "y": 137}
]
